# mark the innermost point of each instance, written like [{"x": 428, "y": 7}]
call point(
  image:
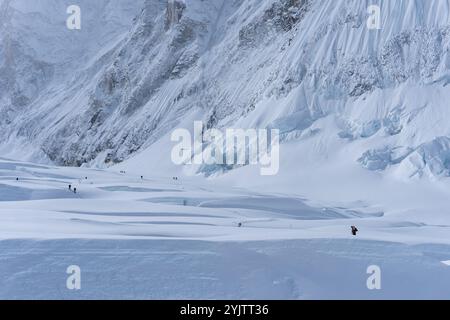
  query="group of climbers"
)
[
  {"x": 74, "y": 190},
  {"x": 354, "y": 229}
]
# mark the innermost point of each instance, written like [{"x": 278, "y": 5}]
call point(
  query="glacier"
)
[
  {"x": 157, "y": 238},
  {"x": 364, "y": 139}
]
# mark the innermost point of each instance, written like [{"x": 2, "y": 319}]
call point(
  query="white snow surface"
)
[
  {"x": 159, "y": 238},
  {"x": 365, "y": 141}
]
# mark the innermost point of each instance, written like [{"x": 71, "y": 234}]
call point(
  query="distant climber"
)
[
  {"x": 142, "y": 177},
  {"x": 85, "y": 178},
  {"x": 70, "y": 187},
  {"x": 17, "y": 179},
  {"x": 74, "y": 190},
  {"x": 240, "y": 224},
  {"x": 354, "y": 230}
]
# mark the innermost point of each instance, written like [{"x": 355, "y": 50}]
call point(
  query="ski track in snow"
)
[{"x": 166, "y": 239}]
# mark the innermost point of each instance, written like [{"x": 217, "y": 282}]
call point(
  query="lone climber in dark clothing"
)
[
  {"x": 354, "y": 230},
  {"x": 70, "y": 187},
  {"x": 74, "y": 190}
]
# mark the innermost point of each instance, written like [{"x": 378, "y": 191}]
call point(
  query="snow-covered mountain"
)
[
  {"x": 313, "y": 69},
  {"x": 43, "y": 63},
  {"x": 365, "y": 142}
]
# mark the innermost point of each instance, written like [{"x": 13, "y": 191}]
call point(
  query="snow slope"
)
[
  {"x": 309, "y": 68},
  {"x": 40, "y": 59},
  {"x": 159, "y": 238}
]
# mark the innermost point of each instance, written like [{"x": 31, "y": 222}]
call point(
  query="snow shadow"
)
[
  {"x": 172, "y": 269},
  {"x": 12, "y": 193},
  {"x": 292, "y": 208},
  {"x": 134, "y": 189}
]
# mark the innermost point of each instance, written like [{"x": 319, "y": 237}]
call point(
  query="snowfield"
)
[
  {"x": 162, "y": 238},
  {"x": 363, "y": 118}
]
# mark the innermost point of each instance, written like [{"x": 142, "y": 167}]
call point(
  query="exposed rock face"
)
[
  {"x": 174, "y": 12},
  {"x": 281, "y": 16}
]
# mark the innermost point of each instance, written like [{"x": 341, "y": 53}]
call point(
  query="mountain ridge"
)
[{"x": 274, "y": 64}]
